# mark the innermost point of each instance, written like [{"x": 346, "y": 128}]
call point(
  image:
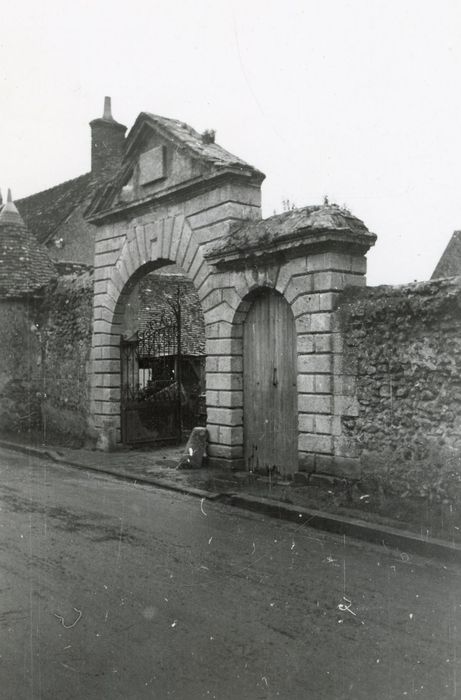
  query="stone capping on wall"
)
[
  {"x": 295, "y": 246},
  {"x": 298, "y": 233}
]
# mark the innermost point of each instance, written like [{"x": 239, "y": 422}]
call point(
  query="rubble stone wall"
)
[
  {"x": 66, "y": 333},
  {"x": 402, "y": 346},
  {"x": 20, "y": 372}
]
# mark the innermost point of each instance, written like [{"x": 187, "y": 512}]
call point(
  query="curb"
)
[
  {"x": 428, "y": 547},
  {"x": 44, "y": 453}
]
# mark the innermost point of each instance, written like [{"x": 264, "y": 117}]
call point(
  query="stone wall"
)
[
  {"x": 402, "y": 347},
  {"x": 66, "y": 336},
  {"x": 20, "y": 367}
]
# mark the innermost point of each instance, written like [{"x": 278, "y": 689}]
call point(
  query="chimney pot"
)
[
  {"x": 9, "y": 198},
  {"x": 107, "y": 109},
  {"x": 107, "y": 144}
]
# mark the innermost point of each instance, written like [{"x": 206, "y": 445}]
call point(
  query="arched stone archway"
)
[
  {"x": 144, "y": 249},
  {"x": 177, "y": 202}
]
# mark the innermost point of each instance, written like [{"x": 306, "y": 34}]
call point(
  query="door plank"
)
[{"x": 270, "y": 391}]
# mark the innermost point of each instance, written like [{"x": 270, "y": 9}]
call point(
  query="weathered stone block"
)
[
  {"x": 101, "y": 366},
  {"x": 323, "y": 424},
  {"x": 314, "y": 403},
  {"x": 219, "y": 329},
  {"x": 225, "y": 435},
  {"x": 106, "y": 259},
  {"x": 336, "y": 281},
  {"x": 312, "y": 442},
  {"x": 224, "y": 399},
  {"x": 224, "y": 346},
  {"x": 306, "y": 422},
  {"x": 306, "y": 383},
  {"x": 297, "y": 286},
  {"x": 314, "y": 323},
  {"x": 225, "y": 416},
  {"x": 315, "y": 364},
  {"x": 305, "y": 343},
  {"x": 230, "y": 452},
  {"x": 195, "y": 451},
  {"x": 323, "y": 384},
  {"x": 293, "y": 267},
  {"x": 203, "y": 275},
  {"x": 305, "y": 303},
  {"x": 231, "y": 381},
  {"x": 192, "y": 251},
  {"x": 224, "y": 363},
  {"x": 232, "y": 297},
  {"x": 220, "y": 212},
  {"x": 359, "y": 264},
  {"x": 329, "y": 261},
  {"x": 176, "y": 234},
  {"x": 221, "y": 312}
]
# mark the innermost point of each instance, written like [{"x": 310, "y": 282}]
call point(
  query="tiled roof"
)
[
  {"x": 156, "y": 289},
  {"x": 255, "y": 233},
  {"x": 45, "y": 211},
  {"x": 25, "y": 267},
  {"x": 449, "y": 264}
]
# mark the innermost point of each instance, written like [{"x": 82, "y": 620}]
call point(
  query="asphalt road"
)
[{"x": 120, "y": 591}]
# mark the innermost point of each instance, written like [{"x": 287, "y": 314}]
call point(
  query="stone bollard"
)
[{"x": 195, "y": 451}]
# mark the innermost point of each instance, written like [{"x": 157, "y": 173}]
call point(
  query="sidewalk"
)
[{"x": 321, "y": 503}]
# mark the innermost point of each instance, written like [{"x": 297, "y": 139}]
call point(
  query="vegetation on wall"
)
[
  {"x": 404, "y": 346},
  {"x": 66, "y": 340},
  {"x": 19, "y": 369}
]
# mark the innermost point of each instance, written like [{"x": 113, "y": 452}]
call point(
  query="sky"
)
[{"x": 358, "y": 100}]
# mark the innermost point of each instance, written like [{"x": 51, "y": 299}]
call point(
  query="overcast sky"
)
[{"x": 359, "y": 100}]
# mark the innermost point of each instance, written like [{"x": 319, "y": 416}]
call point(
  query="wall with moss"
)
[
  {"x": 20, "y": 367},
  {"x": 65, "y": 329},
  {"x": 403, "y": 344}
]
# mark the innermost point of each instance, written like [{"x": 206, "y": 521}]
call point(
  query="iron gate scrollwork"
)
[{"x": 151, "y": 381}]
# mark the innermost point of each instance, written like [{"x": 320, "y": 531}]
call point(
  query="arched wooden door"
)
[{"x": 270, "y": 403}]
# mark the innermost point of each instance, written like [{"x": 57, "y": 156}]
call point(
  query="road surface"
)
[{"x": 126, "y": 592}]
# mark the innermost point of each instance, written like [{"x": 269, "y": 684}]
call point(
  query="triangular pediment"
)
[{"x": 164, "y": 156}]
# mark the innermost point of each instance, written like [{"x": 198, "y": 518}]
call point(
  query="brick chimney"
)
[{"x": 107, "y": 144}]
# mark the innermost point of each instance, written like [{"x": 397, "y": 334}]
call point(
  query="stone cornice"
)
[
  {"x": 177, "y": 193},
  {"x": 300, "y": 243}
]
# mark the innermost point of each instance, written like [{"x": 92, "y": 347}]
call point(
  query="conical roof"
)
[{"x": 25, "y": 267}]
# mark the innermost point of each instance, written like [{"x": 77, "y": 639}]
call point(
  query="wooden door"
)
[{"x": 270, "y": 403}]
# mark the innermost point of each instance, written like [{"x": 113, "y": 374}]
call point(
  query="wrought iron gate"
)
[{"x": 151, "y": 382}]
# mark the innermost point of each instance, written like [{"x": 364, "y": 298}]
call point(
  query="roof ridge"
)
[
  {"x": 54, "y": 187},
  {"x": 212, "y": 152}
]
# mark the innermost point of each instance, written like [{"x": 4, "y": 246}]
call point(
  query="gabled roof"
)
[
  {"x": 25, "y": 267},
  {"x": 308, "y": 223},
  {"x": 449, "y": 264},
  {"x": 185, "y": 138},
  {"x": 45, "y": 211}
]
